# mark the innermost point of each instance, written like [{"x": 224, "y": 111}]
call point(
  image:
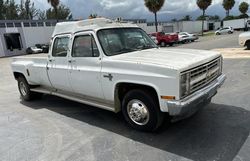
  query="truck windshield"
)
[{"x": 123, "y": 40}]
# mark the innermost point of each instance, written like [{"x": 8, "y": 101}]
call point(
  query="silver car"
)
[
  {"x": 187, "y": 37},
  {"x": 224, "y": 30}
]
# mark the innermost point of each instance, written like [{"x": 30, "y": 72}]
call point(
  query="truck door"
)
[
  {"x": 58, "y": 66},
  {"x": 86, "y": 67}
]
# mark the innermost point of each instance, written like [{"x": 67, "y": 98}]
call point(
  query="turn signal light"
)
[{"x": 168, "y": 97}]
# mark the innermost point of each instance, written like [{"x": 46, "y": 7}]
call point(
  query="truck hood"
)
[
  {"x": 244, "y": 34},
  {"x": 179, "y": 59}
]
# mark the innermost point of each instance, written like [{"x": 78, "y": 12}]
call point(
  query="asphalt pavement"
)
[
  {"x": 55, "y": 129},
  {"x": 214, "y": 42}
]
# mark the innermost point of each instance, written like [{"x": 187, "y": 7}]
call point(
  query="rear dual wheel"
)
[
  {"x": 171, "y": 44},
  {"x": 24, "y": 89}
]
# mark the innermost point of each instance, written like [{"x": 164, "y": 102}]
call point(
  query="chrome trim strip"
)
[{"x": 109, "y": 107}]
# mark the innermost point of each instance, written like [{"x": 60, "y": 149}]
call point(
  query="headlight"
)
[
  {"x": 184, "y": 84},
  {"x": 220, "y": 64}
]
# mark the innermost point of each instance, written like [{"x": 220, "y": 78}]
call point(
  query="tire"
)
[
  {"x": 229, "y": 32},
  {"x": 163, "y": 44},
  {"x": 217, "y": 33},
  {"x": 208, "y": 101},
  {"x": 149, "y": 107},
  {"x": 24, "y": 89},
  {"x": 248, "y": 45},
  {"x": 171, "y": 44}
]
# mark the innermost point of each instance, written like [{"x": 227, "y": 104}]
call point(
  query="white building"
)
[
  {"x": 179, "y": 26},
  {"x": 237, "y": 24},
  {"x": 17, "y": 35}
]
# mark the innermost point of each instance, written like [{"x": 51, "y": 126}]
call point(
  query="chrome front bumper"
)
[{"x": 189, "y": 105}]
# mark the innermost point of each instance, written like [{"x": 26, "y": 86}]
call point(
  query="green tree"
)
[
  {"x": 55, "y": 4},
  {"x": 27, "y": 9},
  {"x": 2, "y": 10},
  {"x": 228, "y": 5},
  {"x": 230, "y": 17},
  {"x": 11, "y": 10},
  {"x": 243, "y": 16},
  {"x": 33, "y": 12},
  {"x": 154, "y": 6},
  {"x": 41, "y": 15},
  {"x": 30, "y": 10},
  {"x": 209, "y": 17},
  {"x": 174, "y": 20},
  {"x": 93, "y": 16},
  {"x": 21, "y": 10},
  {"x": 186, "y": 18},
  {"x": 61, "y": 13},
  {"x": 201, "y": 17},
  {"x": 203, "y": 5},
  {"x": 215, "y": 17},
  {"x": 243, "y": 8}
]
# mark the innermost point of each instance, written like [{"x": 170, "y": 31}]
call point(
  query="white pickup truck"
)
[
  {"x": 244, "y": 40},
  {"x": 118, "y": 67}
]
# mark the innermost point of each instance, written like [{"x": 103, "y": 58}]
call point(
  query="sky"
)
[{"x": 81, "y": 9}]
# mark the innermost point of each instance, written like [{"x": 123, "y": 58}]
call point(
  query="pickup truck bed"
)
[{"x": 33, "y": 67}]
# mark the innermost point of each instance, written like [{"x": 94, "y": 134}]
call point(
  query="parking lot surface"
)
[
  {"x": 214, "y": 42},
  {"x": 55, "y": 129}
]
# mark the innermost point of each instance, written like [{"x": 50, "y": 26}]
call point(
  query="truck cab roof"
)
[{"x": 89, "y": 24}]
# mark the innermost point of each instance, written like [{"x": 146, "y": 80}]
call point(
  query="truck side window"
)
[
  {"x": 60, "y": 47},
  {"x": 85, "y": 46}
]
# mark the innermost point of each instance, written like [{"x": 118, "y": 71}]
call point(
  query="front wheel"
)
[
  {"x": 141, "y": 110},
  {"x": 163, "y": 44},
  {"x": 24, "y": 89},
  {"x": 171, "y": 44}
]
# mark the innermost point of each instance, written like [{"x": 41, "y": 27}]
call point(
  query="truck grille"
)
[{"x": 202, "y": 75}]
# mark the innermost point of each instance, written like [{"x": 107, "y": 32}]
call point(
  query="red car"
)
[{"x": 166, "y": 39}]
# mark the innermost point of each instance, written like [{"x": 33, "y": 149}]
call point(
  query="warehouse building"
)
[
  {"x": 178, "y": 26},
  {"x": 17, "y": 35}
]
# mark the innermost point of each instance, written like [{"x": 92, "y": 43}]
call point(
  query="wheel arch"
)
[
  {"x": 246, "y": 42},
  {"x": 18, "y": 74},
  {"x": 122, "y": 88}
]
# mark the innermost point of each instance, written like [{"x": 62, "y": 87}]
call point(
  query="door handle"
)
[
  {"x": 51, "y": 60},
  {"x": 109, "y": 76},
  {"x": 71, "y": 61}
]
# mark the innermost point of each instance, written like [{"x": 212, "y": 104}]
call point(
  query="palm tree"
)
[
  {"x": 203, "y": 5},
  {"x": 243, "y": 8},
  {"x": 228, "y": 5},
  {"x": 54, "y": 4},
  {"x": 154, "y": 6}
]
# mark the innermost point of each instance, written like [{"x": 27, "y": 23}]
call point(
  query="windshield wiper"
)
[
  {"x": 125, "y": 50},
  {"x": 144, "y": 47}
]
